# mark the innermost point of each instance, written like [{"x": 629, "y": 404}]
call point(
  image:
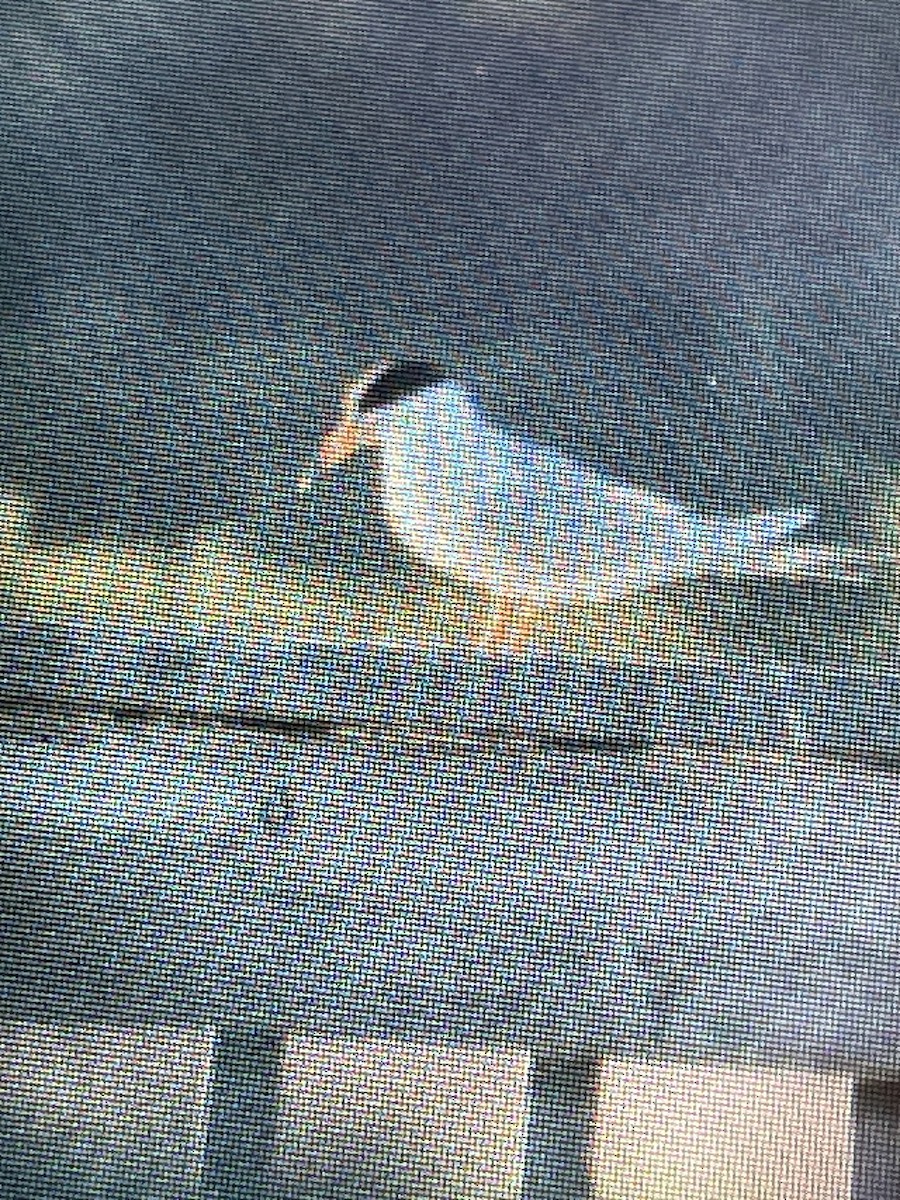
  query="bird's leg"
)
[
  {"x": 494, "y": 630},
  {"x": 509, "y": 625},
  {"x": 521, "y": 625}
]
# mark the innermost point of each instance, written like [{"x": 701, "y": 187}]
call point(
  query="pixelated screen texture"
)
[{"x": 448, "y": 506}]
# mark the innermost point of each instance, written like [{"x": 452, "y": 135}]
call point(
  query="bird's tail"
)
[
  {"x": 820, "y": 560},
  {"x": 763, "y": 547},
  {"x": 760, "y": 529}
]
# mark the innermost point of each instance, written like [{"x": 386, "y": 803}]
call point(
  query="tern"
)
[{"x": 532, "y": 526}]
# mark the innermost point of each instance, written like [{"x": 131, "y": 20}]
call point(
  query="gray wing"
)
[
  {"x": 569, "y": 521},
  {"x": 515, "y": 514}
]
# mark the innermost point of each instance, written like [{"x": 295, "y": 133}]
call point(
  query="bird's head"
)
[{"x": 387, "y": 383}]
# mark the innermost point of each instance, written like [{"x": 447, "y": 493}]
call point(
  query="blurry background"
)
[{"x": 663, "y": 236}]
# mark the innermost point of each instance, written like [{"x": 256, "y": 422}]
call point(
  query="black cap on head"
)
[{"x": 398, "y": 380}]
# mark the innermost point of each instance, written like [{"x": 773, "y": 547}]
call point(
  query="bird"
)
[{"x": 530, "y": 525}]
